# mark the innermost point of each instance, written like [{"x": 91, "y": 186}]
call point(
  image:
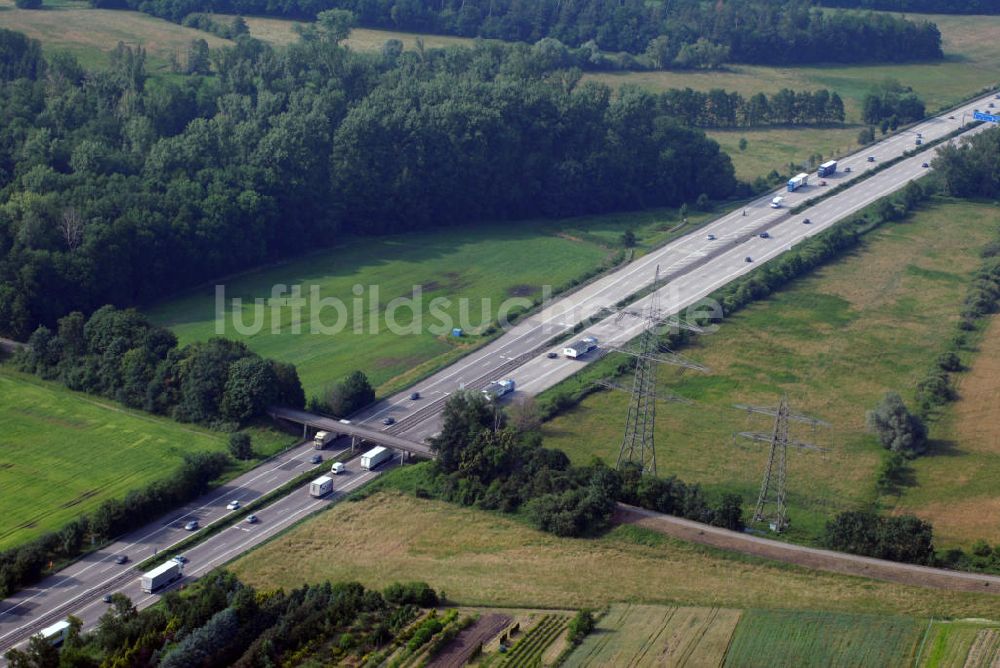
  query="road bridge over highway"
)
[{"x": 356, "y": 431}]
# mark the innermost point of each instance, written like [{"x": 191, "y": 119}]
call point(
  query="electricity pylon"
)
[
  {"x": 772, "y": 488},
  {"x": 638, "y": 445}
]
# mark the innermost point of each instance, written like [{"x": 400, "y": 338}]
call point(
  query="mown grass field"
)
[
  {"x": 482, "y": 558},
  {"x": 835, "y": 342},
  {"x": 63, "y": 453},
  {"x": 484, "y": 266},
  {"x": 89, "y": 34},
  {"x": 651, "y": 635},
  {"x": 958, "y": 490},
  {"x": 765, "y": 638}
]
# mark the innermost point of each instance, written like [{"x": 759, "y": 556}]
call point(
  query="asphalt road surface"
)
[{"x": 692, "y": 266}]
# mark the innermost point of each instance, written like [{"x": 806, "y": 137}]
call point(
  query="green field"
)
[
  {"x": 63, "y": 453},
  {"x": 488, "y": 262},
  {"x": 768, "y": 638},
  {"x": 484, "y": 559},
  {"x": 961, "y": 643},
  {"x": 835, "y": 342},
  {"x": 89, "y": 34}
]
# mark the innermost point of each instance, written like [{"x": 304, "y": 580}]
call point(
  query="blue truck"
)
[{"x": 827, "y": 168}]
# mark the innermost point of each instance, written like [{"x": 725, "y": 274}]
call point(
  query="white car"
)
[
  {"x": 233, "y": 505},
  {"x": 711, "y": 237}
]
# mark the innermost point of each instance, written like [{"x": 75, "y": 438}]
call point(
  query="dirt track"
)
[
  {"x": 837, "y": 562},
  {"x": 460, "y": 650}
]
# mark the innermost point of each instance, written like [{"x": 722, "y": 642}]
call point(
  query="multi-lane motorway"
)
[{"x": 693, "y": 266}]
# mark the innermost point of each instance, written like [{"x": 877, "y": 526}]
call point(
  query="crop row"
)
[{"x": 528, "y": 651}]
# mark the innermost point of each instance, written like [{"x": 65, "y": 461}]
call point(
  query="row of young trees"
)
[
  {"x": 120, "y": 355},
  {"x": 222, "y": 622},
  {"x": 720, "y": 109},
  {"x": 483, "y": 461},
  {"x": 112, "y": 191},
  {"x": 683, "y": 33}
]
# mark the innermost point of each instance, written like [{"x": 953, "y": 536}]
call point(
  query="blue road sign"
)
[{"x": 989, "y": 118}]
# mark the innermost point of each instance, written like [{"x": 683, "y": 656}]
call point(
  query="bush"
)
[
  {"x": 897, "y": 428},
  {"x": 240, "y": 445},
  {"x": 28, "y": 4},
  {"x": 581, "y": 625},
  {"x": 415, "y": 593}
]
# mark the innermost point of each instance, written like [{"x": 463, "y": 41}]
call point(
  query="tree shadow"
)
[{"x": 941, "y": 447}]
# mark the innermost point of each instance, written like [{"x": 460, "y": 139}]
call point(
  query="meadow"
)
[
  {"x": 485, "y": 266},
  {"x": 464, "y": 551},
  {"x": 834, "y": 342},
  {"x": 63, "y": 453},
  {"x": 90, "y": 34}
]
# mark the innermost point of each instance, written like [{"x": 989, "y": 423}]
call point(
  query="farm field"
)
[
  {"x": 650, "y": 635},
  {"x": 961, "y": 643},
  {"x": 794, "y": 638},
  {"x": 835, "y": 342},
  {"x": 89, "y": 34},
  {"x": 461, "y": 551},
  {"x": 63, "y": 453},
  {"x": 958, "y": 490},
  {"x": 468, "y": 266}
]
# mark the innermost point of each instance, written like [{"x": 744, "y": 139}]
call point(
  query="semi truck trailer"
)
[
  {"x": 322, "y": 438},
  {"x": 160, "y": 576},
  {"x": 827, "y": 168},
  {"x": 797, "y": 182},
  {"x": 374, "y": 457}
]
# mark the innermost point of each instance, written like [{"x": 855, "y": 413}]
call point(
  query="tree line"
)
[
  {"x": 681, "y": 33},
  {"x": 720, "y": 109},
  {"x": 925, "y": 6},
  {"x": 112, "y": 191},
  {"x": 221, "y": 621},
  {"x": 118, "y": 354},
  {"x": 486, "y": 462}
]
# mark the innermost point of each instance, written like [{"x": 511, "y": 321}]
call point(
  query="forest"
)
[
  {"x": 120, "y": 189},
  {"x": 222, "y": 622},
  {"x": 720, "y": 109},
  {"x": 927, "y": 6},
  {"x": 686, "y": 33}
]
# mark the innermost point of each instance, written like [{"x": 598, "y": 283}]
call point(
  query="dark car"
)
[
  {"x": 180, "y": 559},
  {"x": 121, "y": 559},
  {"x": 106, "y": 598},
  {"x": 765, "y": 235},
  {"x": 552, "y": 355},
  {"x": 316, "y": 459},
  {"x": 388, "y": 421},
  {"x": 847, "y": 170},
  {"x": 871, "y": 158},
  {"x": 748, "y": 259},
  {"x": 925, "y": 165},
  {"x": 806, "y": 221},
  {"x": 414, "y": 396}
]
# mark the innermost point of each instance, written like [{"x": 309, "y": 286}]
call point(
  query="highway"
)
[{"x": 693, "y": 266}]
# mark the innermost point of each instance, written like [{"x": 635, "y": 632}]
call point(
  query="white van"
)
[{"x": 337, "y": 468}]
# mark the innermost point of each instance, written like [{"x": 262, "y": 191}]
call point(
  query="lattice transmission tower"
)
[
  {"x": 638, "y": 446},
  {"x": 771, "y": 500}
]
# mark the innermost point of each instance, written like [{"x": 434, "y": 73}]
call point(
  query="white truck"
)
[
  {"x": 322, "y": 438},
  {"x": 797, "y": 181},
  {"x": 580, "y": 348},
  {"x": 160, "y": 576},
  {"x": 498, "y": 388},
  {"x": 374, "y": 457},
  {"x": 321, "y": 486},
  {"x": 56, "y": 634}
]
